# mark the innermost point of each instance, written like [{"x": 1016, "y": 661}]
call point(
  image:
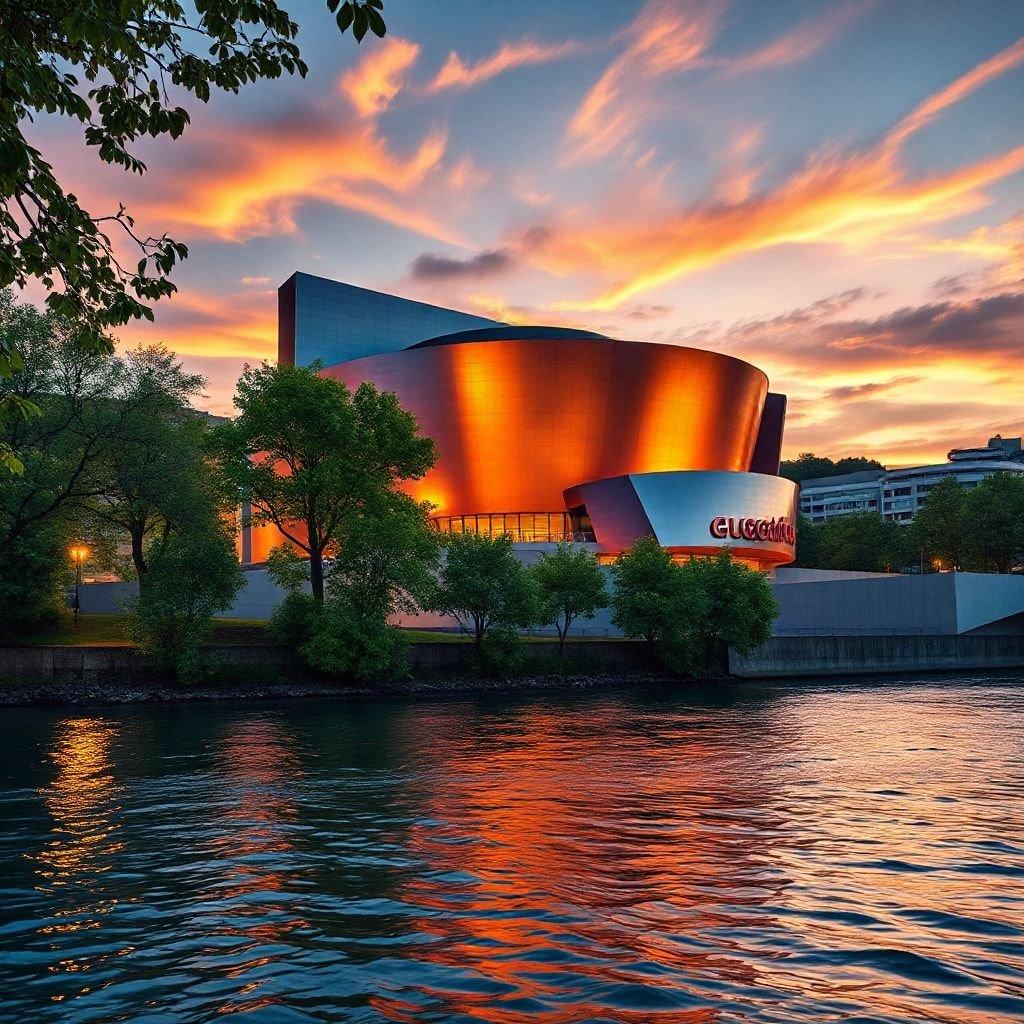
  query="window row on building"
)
[{"x": 898, "y": 494}]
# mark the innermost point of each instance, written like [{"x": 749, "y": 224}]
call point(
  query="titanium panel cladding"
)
[{"x": 517, "y": 421}]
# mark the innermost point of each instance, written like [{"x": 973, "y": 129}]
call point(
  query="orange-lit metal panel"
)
[{"x": 518, "y": 421}]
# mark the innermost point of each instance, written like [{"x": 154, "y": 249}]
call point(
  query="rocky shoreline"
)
[{"x": 81, "y": 693}]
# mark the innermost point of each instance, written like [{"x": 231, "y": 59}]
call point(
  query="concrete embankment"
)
[
  {"x": 787, "y": 656},
  {"x": 84, "y": 675}
]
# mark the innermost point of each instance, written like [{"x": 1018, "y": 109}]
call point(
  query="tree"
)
[
  {"x": 570, "y": 584},
  {"x": 938, "y": 530},
  {"x": 382, "y": 566},
  {"x": 740, "y": 610},
  {"x": 118, "y": 67},
  {"x": 651, "y": 600},
  {"x": 190, "y": 578},
  {"x": 484, "y": 587},
  {"x": 112, "y": 65},
  {"x": 808, "y": 466},
  {"x": 863, "y": 542},
  {"x": 153, "y": 477},
  {"x": 993, "y": 514},
  {"x": 808, "y": 544},
  {"x": 79, "y": 410},
  {"x": 312, "y": 456},
  {"x": 33, "y": 576}
]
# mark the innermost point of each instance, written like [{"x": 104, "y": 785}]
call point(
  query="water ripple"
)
[{"x": 762, "y": 854}]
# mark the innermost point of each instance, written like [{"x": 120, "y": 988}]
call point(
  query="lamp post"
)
[{"x": 78, "y": 555}]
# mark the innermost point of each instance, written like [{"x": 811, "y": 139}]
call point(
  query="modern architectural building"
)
[
  {"x": 547, "y": 434},
  {"x": 319, "y": 319},
  {"x": 898, "y": 493}
]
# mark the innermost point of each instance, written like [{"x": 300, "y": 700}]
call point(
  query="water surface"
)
[{"x": 765, "y": 853}]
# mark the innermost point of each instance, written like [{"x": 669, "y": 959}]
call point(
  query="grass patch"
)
[
  {"x": 112, "y": 631},
  {"x": 432, "y": 636}
]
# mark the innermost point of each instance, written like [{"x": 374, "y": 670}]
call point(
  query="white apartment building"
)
[{"x": 898, "y": 493}]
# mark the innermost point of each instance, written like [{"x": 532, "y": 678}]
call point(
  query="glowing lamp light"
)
[{"x": 79, "y": 553}]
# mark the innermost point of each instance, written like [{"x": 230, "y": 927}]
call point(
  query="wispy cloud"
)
[
  {"x": 665, "y": 38},
  {"x": 376, "y": 79},
  {"x": 801, "y": 43},
  {"x": 838, "y": 197},
  {"x": 460, "y": 73},
  {"x": 981, "y": 75}
]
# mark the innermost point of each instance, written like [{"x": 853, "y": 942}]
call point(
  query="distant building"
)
[{"x": 898, "y": 493}]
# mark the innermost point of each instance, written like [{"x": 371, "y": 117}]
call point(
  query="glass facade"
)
[
  {"x": 522, "y": 527},
  {"x": 335, "y": 322}
]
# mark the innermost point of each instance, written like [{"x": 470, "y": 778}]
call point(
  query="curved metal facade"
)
[
  {"x": 753, "y": 514},
  {"x": 518, "y": 421}
]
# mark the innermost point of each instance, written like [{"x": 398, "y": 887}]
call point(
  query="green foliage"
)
[
  {"x": 808, "y": 466},
  {"x": 651, "y": 600},
  {"x": 993, "y": 516},
  {"x": 938, "y": 533},
  {"x": 570, "y": 584},
  {"x": 287, "y": 569},
  {"x": 346, "y": 643},
  {"x": 76, "y": 395},
  {"x": 483, "y": 586},
  {"x": 190, "y": 578},
  {"x": 293, "y": 620},
  {"x": 118, "y": 67},
  {"x": 153, "y": 477},
  {"x": 808, "y": 544},
  {"x": 313, "y": 457},
  {"x": 501, "y": 654},
  {"x": 859, "y": 542},
  {"x": 32, "y": 583},
  {"x": 383, "y": 567},
  {"x": 740, "y": 610},
  {"x": 693, "y": 611}
]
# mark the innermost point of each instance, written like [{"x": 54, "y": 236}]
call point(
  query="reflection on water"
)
[{"x": 759, "y": 854}]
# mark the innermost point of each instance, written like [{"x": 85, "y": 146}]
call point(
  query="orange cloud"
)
[
  {"x": 275, "y": 169},
  {"x": 195, "y": 323},
  {"x": 852, "y": 199},
  {"x": 664, "y": 38},
  {"x": 379, "y": 75},
  {"x": 800, "y": 44},
  {"x": 458, "y": 74},
  {"x": 926, "y": 112}
]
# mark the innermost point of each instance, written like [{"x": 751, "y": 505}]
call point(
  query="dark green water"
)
[{"x": 763, "y": 854}]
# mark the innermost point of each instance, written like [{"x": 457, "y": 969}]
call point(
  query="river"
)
[{"x": 831, "y": 852}]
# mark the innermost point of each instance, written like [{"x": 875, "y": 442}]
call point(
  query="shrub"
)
[
  {"x": 189, "y": 579},
  {"x": 502, "y": 653},
  {"x": 293, "y": 620},
  {"x": 344, "y": 642}
]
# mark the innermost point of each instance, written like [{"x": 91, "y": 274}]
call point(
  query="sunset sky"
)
[{"x": 832, "y": 191}]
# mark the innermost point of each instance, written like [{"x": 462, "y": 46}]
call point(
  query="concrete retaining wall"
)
[
  {"x": 852, "y": 655},
  {"x": 264, "y": 663}
]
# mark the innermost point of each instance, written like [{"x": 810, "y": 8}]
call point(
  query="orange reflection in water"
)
[
  {"x": 82, "y": 802},
  {"x": 575, "y": 860},
  {"x": 258, "y": 763}
]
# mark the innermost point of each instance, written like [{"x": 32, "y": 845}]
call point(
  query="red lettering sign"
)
[{"x": 775, "y": 529}]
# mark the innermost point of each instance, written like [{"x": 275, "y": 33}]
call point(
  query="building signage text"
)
[{"x": 780, "y": 529}]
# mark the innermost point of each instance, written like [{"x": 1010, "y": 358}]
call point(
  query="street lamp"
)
[{"x": 79, "y": 553}]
